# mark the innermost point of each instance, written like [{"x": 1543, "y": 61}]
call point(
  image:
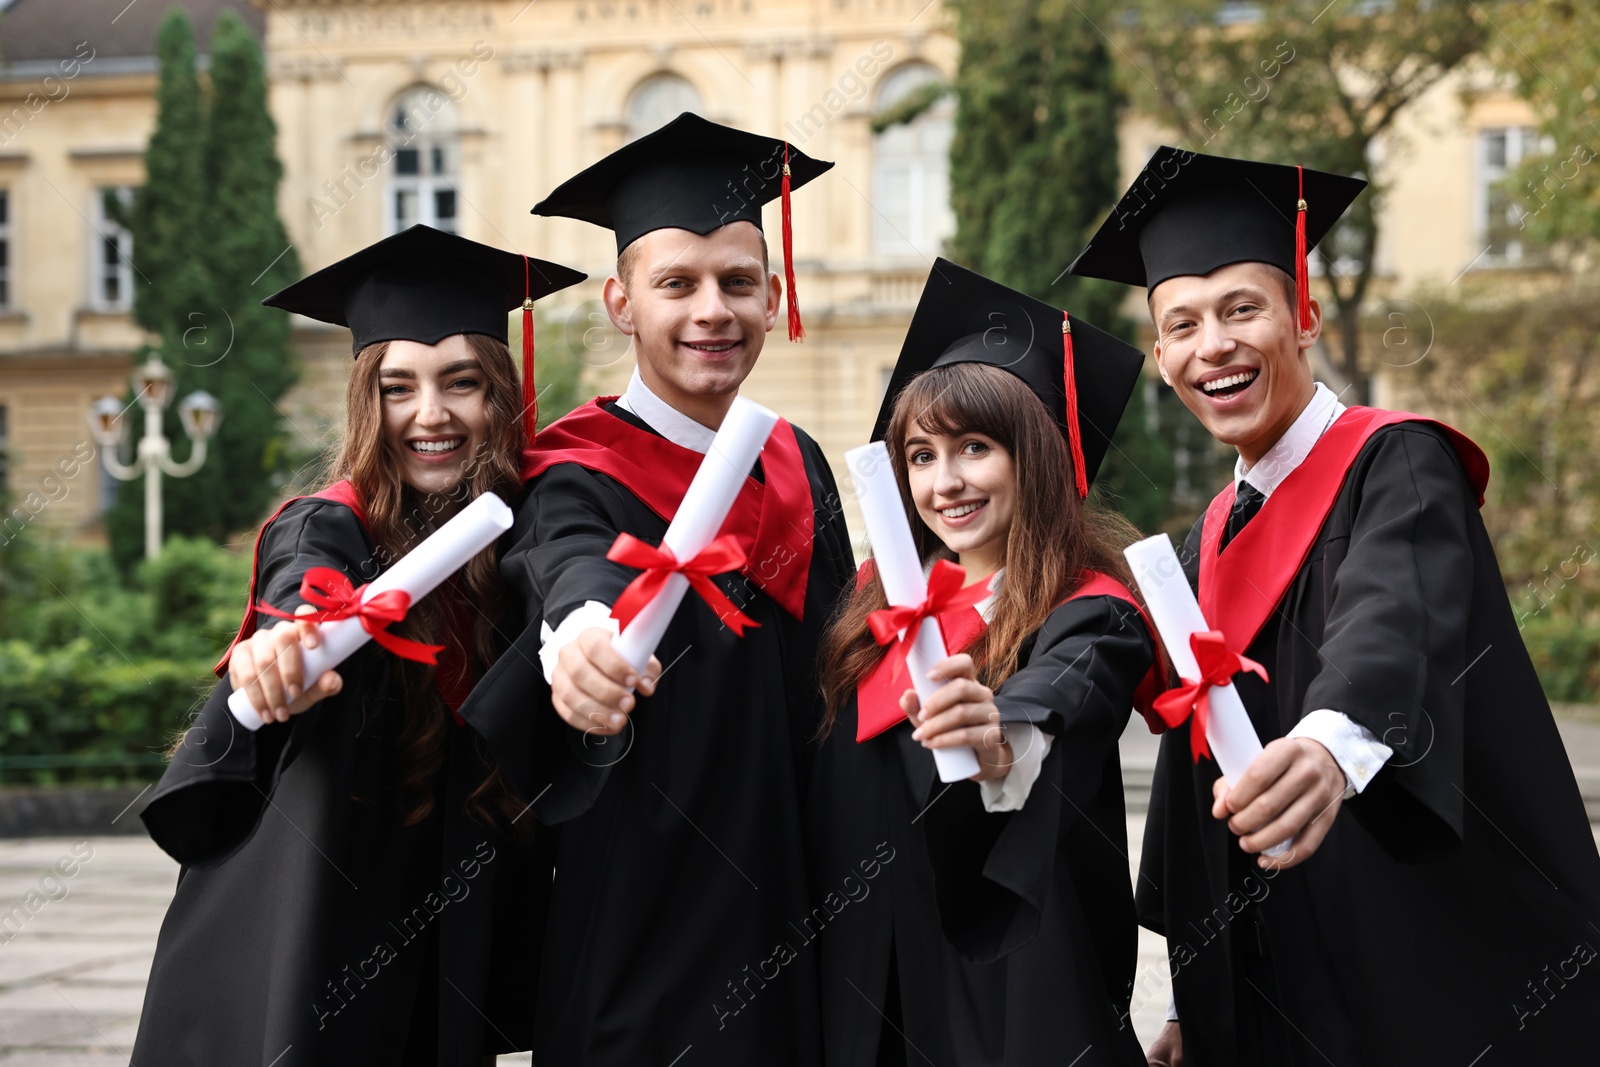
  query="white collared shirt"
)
[
  {"x": 1356, "y": 750},
  {"x": 1294, "y": 446},
  {"x": 663, "y": 418}
]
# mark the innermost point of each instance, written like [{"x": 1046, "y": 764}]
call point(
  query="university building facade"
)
[{"x": 463, "y": 113}]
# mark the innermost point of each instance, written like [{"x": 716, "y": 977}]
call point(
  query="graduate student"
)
[
  {"x": 356, "y": 886},
  {"x": 680, "y": 860},
  {"x": 989, "y": 921},
  {"x": 1438, "y": 902}
]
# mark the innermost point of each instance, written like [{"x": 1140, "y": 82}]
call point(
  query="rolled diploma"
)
[
  {"x": 1176, "y": 613},
  {"x": 903, "y": 582},
  {"x": 417, "y": 573},
  {"x": 704, "y": 509}
]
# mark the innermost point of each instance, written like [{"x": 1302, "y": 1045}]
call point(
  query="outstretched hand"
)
[
  {"x": 269, "y": 668},
  {"x": 962, "y": 712},
  {"x": 1294, "y": 789},
  {"x": 592, "y": 686}
]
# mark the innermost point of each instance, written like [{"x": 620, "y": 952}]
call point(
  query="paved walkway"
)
[
  {"x": 76, "y": 951},
  {"x": 79, "y": 917}
]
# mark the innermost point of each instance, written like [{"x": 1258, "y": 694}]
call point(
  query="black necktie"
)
[{"x": 1246, "y": 503}]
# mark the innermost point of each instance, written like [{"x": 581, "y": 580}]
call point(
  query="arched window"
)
[
  {"x": 425, "y": 160},
  {"x": 911, "y": 169},
  {"x": 658, "y": 100}
]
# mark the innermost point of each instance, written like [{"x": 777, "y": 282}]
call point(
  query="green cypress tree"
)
[
  {"x": 219, "y": 246},
  {"x": 1033, "y": 170},
  {"x": 164, "y": 219},
  {"x": 247, "y": 256},
  {"x": 165, "y": 216}
]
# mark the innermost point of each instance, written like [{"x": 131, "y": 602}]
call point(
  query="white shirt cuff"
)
[
  {"x": 592, "y": 613},
  {"x": 1029, "y": 746},
  {"x": 1359, "y": 754},
  {"x": 1172, "y": 1008}
]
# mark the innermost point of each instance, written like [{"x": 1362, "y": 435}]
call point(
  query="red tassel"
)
[
  {"x": 1069, "y": 376},
  {"x": 797, "y": 332},
  {"x": 530, "y": 391},
  {"x": 1302, "y": 269}
]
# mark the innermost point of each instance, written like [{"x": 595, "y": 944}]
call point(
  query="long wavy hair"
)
[
  {"x": 399, "y": 517},
  {"x": 1054, "y": 540}
]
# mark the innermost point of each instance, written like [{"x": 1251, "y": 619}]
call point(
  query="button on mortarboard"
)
[{"x": 963, "y": 317}]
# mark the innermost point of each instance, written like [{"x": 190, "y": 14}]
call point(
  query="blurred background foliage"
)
[
  {"x": 94, "y": 669},
  {"x": 103, "y": 658}
]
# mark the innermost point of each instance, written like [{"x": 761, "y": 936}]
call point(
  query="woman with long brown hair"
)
[
  {"x": 988, "y": 921},
  {"x": 356, "y": 885}
]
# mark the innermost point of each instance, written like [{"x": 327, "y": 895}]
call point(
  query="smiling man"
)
[
  {"x": 1441, "y": 864},
  {"x": 677, "y": 811}
]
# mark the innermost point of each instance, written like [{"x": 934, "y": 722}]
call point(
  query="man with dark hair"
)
[{"x": 1438, "y": 898}]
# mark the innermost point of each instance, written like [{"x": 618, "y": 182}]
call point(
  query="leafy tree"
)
[
  {"x": 209, "y": 244},
  {"x": 1552, "y": 49},
  {"x": 1291, "y": 81},
  {"x": 1033, "y": 169},
  {"x": 166, "y": 215},
  {"x": 1516, "y": 372}
]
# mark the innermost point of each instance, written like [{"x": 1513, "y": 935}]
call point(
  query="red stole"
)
[
  {"x": 774, "y": 521},
  {"x": 453, "y": 675},
  {"x": 878, "y": 694},
  {"x": 340, "y": 492},
  {"x": 1240, "y": 588}
]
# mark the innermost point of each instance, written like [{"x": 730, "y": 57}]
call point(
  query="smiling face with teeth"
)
[
  {"x": 698, "y": 308},
  {"x": 1228, "y": 344},
  {"x": 435, "y": 410},
  {"x": 964, "y": 486}
]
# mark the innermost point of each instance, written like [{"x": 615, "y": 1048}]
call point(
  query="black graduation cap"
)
[
  {"x": 691, "y": 174},
  {"x": 424, "y": 285},
  {"x": 1188, "y": 213},
  {"x": 1083, "y": 374}
]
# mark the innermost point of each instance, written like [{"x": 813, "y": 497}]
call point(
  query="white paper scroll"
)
[
  {"x": 417, "y": 573},
  {"x": 1175, "y": 611},
  {"x": 904, "y": 584},
  {"x": 704, "y": 509}
]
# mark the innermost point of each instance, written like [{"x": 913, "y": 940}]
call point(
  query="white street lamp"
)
[{"x": 199, "y": 413}]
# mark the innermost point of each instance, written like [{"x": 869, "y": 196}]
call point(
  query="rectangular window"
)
[
  {"x": 1502, "y": 218},
  {"x": 5, "y": 249},
  {"x": 111, "y": 258},
  {"x": 444, "y": 209},
  {"x": 423, "y": 188}
]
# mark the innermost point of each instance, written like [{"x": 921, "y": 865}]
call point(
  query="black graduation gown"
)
[
  {"x": 309, "y": 927},
  {"x": 1013, "y": 933},
  {"x": 680, "y": 861},
  {"x": 1449, "y": 914}
]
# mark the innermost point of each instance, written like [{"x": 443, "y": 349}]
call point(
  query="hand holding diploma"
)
[
  {"x": 688, "y": 555},
  {"x": 595, "y": 675},
  {"x": 268, "y": 669},
  {"x": 961, "y": 713},
  {"x": 278, "y": 660},
  {"x": 1219, "y": 726},
  {"x": 911, "y": 622}
]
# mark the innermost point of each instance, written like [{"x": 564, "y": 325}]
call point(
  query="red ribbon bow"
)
[
  {"x": 945, "y": 594},
  {"x": 330, "y": 591},
  {"x": 1218, "y": 665},
  {"x": 719, "y": 557}
]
